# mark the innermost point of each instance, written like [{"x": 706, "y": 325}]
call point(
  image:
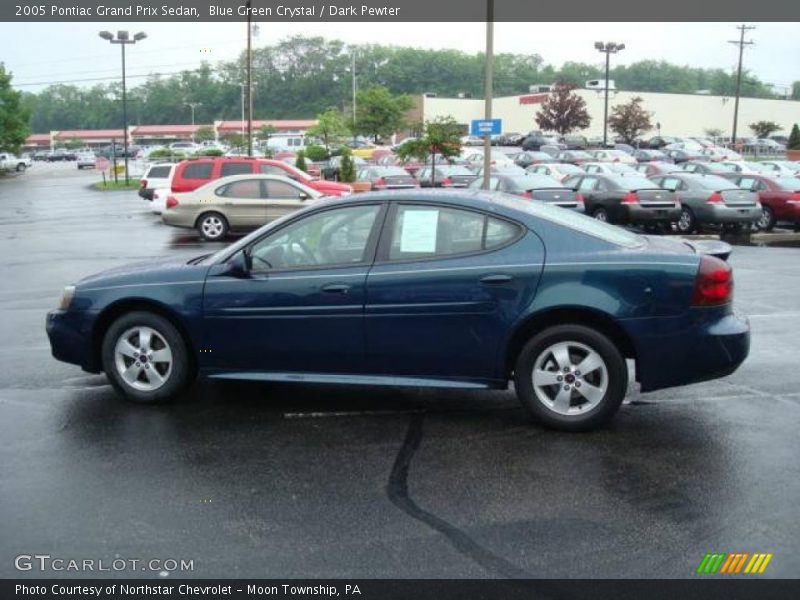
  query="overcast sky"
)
[{"x": 67, "y": 52}]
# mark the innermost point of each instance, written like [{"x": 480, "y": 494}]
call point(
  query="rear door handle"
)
[
  {"x": 336, "y": 288},
  {"x": 498, "y": 279}
]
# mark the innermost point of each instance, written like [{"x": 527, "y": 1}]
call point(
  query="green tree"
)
[
  {"x": 300, "y": 161},
  {"x": 713, "y": 132},
  {"x": 379, "y": 114},
  {"x": 794, "y": 139},
  {"x": 316, "y": 153},
  {"x": 347, "y": 169},
  {"x": 236, "y": 140},
  {"x": 563, "y": 111},
  {"x": 204, "y": 134},
  {"x": 441, "y": 136},
  {"x": 266, "y": 131},
  {"x": 330, "y": 128},
  {"x": 764, "y": 129},
  {"x": 14, "y": 117},
  {"x": 630, "y": 120}
]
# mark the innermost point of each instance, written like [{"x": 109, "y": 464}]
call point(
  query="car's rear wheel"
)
[
  {"x": 571, "y": 377},
  {"x": 601, "y": 214},
  {"x": 687, "y": 223},
  {"x": 20, "y": 168},
  {"x": 212, "y": 226},
  {"x": 145, "y": 357},
  {"x": 767, "y": 220}
]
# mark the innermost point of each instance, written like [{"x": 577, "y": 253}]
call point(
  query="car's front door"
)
[
  {"x": 282, "y": 198},
  {"x": 300, "y": 306},
  {"x": 445, "y": 287}
]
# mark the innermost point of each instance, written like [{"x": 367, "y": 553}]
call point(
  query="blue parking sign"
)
[{"x": 485, "y": 127}]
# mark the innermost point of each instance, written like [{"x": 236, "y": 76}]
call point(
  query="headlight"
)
[{"x": 66, "y": 297}]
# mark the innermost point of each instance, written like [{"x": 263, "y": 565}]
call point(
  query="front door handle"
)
[
  {"x": 336, "y": 288},
  {"x": 498, "y": 279}
]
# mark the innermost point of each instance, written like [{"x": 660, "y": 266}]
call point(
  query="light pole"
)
[
  {"x": 193, "y": 105},
  {"x": 353, "y": 72},
  {"x": 608, "y": 49},
  {"x": 488, "y": 91},
  {"x": 123, "y": 39}
]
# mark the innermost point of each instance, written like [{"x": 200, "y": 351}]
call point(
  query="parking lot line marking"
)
[{"x": 352, "y": 413}]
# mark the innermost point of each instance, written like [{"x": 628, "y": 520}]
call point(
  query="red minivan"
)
[{"x": 192, "y": 173}]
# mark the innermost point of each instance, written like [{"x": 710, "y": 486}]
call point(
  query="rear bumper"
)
[
  {"x": 713, "y": 213},
  {"x": 638, "y": 213},
  {"x": 70, "y": 335},
  {"x": 700, "y": 346}
]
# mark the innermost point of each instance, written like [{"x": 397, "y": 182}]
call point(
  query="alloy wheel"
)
[
  {"x": 570, "y": 378},
  {"x": 143, "y": 358},
  {"x": 212, "y": 227}
]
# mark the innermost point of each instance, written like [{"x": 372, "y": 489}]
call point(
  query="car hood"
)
[{"x": 164, "y": 270}]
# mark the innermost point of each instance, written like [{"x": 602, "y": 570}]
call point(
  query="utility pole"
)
[
  {"x": 249, "y": 80},
  {"x": 488, "y": 92},
  {"x": 353, "y": 72},
  {"x": 193, "y": 105},
  {"x": 741, "y": 43}
]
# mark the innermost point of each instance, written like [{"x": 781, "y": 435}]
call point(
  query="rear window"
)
[
  {"x": 633, "y": 183},
  {"x": 790, "y": 184},
  {"x": 390, "y": 171},
  {"x": 161, "y": 172},
  {"x": 712, "y": 182},
  {"x": 197, "y": 171},
  {"x": 573, "y": 220},
  {"x": 538, "y": 182}
]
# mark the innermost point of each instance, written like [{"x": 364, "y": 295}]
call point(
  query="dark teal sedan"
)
[{"x": 419, "y": 288}]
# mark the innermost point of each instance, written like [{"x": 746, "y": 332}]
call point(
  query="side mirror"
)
[
  {"x": 304, "y": 196},
  {"x": 240, "y": 264}
]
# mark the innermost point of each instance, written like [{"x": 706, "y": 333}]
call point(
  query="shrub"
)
[
  {"x": 210, "y": 152},
  {"x": 167, "y": 153},
  {"x": 794, "y": 139},
  {"x": 316, "y": 153},
  {"x": 300, "y": 162},
  {"x": 347, "y": 170}
]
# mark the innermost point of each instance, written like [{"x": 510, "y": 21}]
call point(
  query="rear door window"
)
[{"x": 433, "y": 231}]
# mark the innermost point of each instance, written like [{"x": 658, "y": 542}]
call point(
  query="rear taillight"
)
[
  {"x": 794, "y": 198},
  {"x": 714, "y": 283},
  {"x": 579, "y": 198},
  {"x": 630, "y": 198},
  {"x": 172, "y": 202},
  {"x": 715, "y": 198},
  {"x": 528, "y": 194},
  {"x": 380, "y": 183},
  {"x": 447, "y": 182}
]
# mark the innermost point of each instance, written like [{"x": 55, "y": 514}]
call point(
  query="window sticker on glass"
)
[{"x": 419, "y": 231}]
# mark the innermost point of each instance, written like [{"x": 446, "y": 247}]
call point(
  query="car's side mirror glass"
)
[{"x": 240, "y": 264}]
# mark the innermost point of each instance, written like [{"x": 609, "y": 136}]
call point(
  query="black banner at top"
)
[{"x": 396, "y": 10}]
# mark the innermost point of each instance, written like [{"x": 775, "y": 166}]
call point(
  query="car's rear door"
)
[
  {"x": 242, "y": 202},
  {"x": 445, "y": 287}
]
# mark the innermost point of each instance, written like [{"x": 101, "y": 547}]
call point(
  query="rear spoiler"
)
[{"x": 716, "y": 248}]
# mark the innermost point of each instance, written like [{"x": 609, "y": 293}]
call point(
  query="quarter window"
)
[
  {"x": 235, "y": 168},
  {"x": 197, "y": 171}
]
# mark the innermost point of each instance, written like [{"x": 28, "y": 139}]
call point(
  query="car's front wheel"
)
[
  {"x": 571, "y": 377},
  {"x": 145, "y": 357},
  {"x": 20, "y": 168},
  {"x": 212, "y": 226}
]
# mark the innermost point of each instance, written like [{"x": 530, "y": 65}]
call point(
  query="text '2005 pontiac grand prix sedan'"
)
[{"x": 419, "y": 288}]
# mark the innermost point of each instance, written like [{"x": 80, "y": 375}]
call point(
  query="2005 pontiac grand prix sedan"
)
[{"x": 419, "y": 288}]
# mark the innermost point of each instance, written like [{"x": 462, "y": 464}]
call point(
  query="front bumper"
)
[
  {"x": 702, "y": 345},
  {"x": 70, "y": 334}
]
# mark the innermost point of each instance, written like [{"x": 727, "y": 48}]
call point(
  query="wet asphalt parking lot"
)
[{"x": 255, "y": 480}]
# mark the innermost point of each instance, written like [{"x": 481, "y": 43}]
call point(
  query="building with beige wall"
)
[{"x": 678, "y": 114}]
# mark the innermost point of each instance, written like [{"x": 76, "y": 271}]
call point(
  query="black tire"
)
[
  {"x": 767, "y": 221},
  {"x": 581, "y": 337},
  {"x": 601, "y": 214},
  {"x": 687, "y": 222},
  {"x": 176, "y": 378},
  {"x": 21, "y": 168},
  {"x": 212, "y": 226}
]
